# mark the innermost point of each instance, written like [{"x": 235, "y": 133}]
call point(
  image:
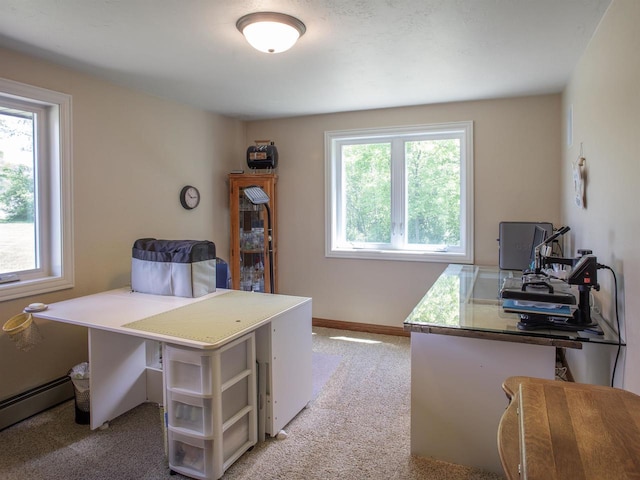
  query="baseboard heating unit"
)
[{"x": 36, "y": 400}]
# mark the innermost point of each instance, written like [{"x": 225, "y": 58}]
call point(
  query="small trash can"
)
[
  {"x": 23, "y": 331},
  {"x": 80, "y": 378}
]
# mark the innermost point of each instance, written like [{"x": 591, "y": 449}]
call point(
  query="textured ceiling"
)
[{"x": 355, "y": 55}]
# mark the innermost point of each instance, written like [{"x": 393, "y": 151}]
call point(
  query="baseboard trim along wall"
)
[
  {"x": 36, "y": 400},
  {"x": 360, "y": 327}
]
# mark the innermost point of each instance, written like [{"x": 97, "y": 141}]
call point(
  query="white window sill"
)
[
  {"x": 27, "y": 288},
  {"x": 401, "y": 255}
]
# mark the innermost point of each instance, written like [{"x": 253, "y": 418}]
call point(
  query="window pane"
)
[
  {"x": 400, "y": 193},
  {"x": 433, "y": 192},
  {"x": 17, "y": 208},
  {"x": 367, "y": 192}
]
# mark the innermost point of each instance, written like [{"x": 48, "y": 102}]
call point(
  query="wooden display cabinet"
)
[{"x": 249, "y": 256}]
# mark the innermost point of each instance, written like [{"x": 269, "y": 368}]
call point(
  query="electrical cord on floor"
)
[{"x": 615, "y": 282}]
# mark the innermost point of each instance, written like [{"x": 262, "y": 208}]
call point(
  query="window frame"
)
[
  {"x": 336, "y": 248},
  {"x": 53, "y": 190}
]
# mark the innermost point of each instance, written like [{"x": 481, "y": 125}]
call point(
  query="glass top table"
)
[{"x": 465, "y": 301}]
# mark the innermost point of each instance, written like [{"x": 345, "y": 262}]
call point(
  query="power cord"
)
[{"x": 615, "y": 282}]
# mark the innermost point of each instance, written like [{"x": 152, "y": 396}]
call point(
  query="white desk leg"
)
[
  {"x": 118, "y": 379},
  {"x": 456, "y": 394},
  {"x": 291, "y": 377}
]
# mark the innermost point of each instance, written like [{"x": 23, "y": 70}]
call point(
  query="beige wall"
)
[
  {"x": 132, "y": 153},
  {"x": 604, "y": 92},
  {"x": 517, "y": 156}
]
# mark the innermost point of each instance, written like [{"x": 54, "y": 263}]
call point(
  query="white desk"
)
[
  {"x": 462, "y": 348},
  {"x": 122, "y": 371}
]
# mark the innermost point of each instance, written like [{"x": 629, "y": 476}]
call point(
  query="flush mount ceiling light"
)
[{"x": 271, "y": 32}]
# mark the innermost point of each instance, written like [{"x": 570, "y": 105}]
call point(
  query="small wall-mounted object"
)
[
  {"x": 579, "y": 179},
  {"x": 263, "y": 154},
  {"x": 189, "y": 197}
]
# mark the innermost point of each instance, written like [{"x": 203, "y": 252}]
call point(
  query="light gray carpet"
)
[
  {"x": 323, "y": 366},
  {"x": 356, "y": 427}
]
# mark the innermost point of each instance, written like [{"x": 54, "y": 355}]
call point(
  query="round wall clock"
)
[{"x": 189, "y": 197}]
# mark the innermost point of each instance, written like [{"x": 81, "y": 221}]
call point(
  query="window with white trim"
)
[
  {"x": 36, "y": 231},
  {"x": 401, "y": 193}
]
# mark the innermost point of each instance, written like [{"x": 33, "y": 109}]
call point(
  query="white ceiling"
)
[{"x": 355, "y": 55}]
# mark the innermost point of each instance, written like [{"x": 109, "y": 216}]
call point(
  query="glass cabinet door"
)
[
  {"x": 252, "y": 225},
  {"x": 250, "y": 258}
]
